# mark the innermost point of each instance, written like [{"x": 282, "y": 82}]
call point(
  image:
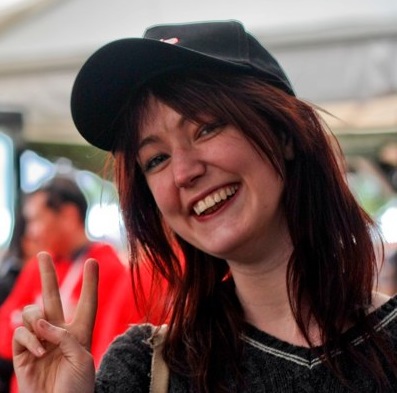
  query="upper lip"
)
[{"x": 204, "y": 194}]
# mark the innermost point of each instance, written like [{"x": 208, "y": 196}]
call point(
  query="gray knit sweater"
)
[{"x": 269, "y": 365}]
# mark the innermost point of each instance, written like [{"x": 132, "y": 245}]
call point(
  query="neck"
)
[
  {"x": 72, "y": 249},
  {"x": 262, "y": 291},
  {"x": 80, "y": 249}
]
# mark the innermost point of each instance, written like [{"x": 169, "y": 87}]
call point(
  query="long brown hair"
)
[{"x": 333, "y": 265}]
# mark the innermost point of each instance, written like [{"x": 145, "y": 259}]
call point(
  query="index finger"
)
[
  {"x": 50, "y": 290},
  {"x": 84, "y": 319}
]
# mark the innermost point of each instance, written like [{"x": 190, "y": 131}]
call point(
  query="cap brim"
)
[{"x": 113, "y": 73}]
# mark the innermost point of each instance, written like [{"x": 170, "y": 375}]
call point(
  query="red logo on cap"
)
[{"x": 170, "y": 40}]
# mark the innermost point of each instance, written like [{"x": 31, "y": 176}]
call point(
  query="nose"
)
[{"x": 187, "y": 167}]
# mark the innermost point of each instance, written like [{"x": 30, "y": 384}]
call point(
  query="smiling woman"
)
[
  {"x": 230, "y": 187},
  {"x": 204, "y": 158}
]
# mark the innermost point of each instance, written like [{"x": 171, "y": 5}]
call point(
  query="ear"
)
[{"x": 287, "y": 147}]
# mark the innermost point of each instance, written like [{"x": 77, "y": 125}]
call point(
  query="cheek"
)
[
  {"x": 47, "y": 228},
  {"x": 34, "y": 230},
  {"x": 164, "y": 195},
  {"x": 167, "y": 200},
  {"x": 167, "y": 204}
]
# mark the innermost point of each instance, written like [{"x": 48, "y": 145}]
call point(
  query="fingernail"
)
[
  {"x": 40, "y": 351},
  {"x": 44, "y": 324}
]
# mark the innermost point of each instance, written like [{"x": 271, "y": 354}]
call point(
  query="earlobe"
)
[{"x": 288, "y": 147}]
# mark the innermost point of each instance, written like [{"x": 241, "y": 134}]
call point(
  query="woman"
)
[{"x": 218, "y": 162}]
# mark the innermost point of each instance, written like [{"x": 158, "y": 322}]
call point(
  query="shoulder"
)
[
  {"x": 135, "y": 339},
  {"x": 126, "y": 364},
  {"x": 106, "y": 255},
  {"x": 28, "y": 279},
  {"x": 101, "y": 248},
  {"x": 31, "y": 265},
  {"x": 383, "y": 312},
  {"x": 378, "y": 300}
]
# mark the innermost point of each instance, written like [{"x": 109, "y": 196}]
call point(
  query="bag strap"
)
[{"x": 159, "y": 375}]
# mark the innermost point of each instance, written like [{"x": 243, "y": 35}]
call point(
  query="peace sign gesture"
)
[{"x": 50, "y": 355}]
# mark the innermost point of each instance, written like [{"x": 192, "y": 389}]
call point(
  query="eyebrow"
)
[
  {"x": 154, "y": 138},
  {"x": 148, "y": 141}
]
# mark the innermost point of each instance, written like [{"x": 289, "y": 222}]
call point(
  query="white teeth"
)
[
  {"x": 209, "y": 201},
  {"x": 201, "y": 207},
  {"x": 216, "y": 197}
]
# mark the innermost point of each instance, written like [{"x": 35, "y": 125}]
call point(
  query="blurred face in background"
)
[
  {"x": 29, "y": 247},
  {"x": 44, "y": 226}
]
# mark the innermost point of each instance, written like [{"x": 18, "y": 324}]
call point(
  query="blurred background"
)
[{"x": 340, "y": 55}]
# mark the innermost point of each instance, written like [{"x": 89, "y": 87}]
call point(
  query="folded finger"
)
[
  {"x": 30, "y": 315},
  {"x": 23, "y": 340},
  {"x": 65, "y": 341},
  {"x": 50, "y": 290}
]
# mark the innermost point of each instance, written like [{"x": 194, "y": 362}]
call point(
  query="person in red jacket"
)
[{"x": 55, "y": 218}]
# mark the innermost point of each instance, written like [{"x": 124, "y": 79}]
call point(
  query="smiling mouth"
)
[{"x": 214, "y": 201}]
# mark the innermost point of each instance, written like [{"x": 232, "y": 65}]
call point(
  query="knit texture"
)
[{"x": 269, "y": 364}]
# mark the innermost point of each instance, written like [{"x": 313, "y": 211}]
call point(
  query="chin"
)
[{"x": 220, "y": 252}]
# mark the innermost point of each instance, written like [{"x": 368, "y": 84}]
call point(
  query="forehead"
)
[
  {"x": 35, "y": 203},
  {"x": 158, "y": 116},
  {"x": 152, "y": 109},
  {"x": 156, "y": 112}
]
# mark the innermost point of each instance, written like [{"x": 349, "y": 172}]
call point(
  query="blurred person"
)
[
  {"x": 55, "y": 220},
  {"x": 20, "y": 249},
  {"x": 214, "y": 153}
]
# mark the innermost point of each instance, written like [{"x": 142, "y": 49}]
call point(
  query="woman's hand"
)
[{"x": 51, "y": 356}]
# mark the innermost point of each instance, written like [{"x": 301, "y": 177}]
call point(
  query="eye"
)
[
  {"x": 210, "y": 128},
  {"x": 154, "y": 162}
]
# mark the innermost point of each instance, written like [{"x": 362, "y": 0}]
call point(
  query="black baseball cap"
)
[{"x": 116, "y": 71}]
